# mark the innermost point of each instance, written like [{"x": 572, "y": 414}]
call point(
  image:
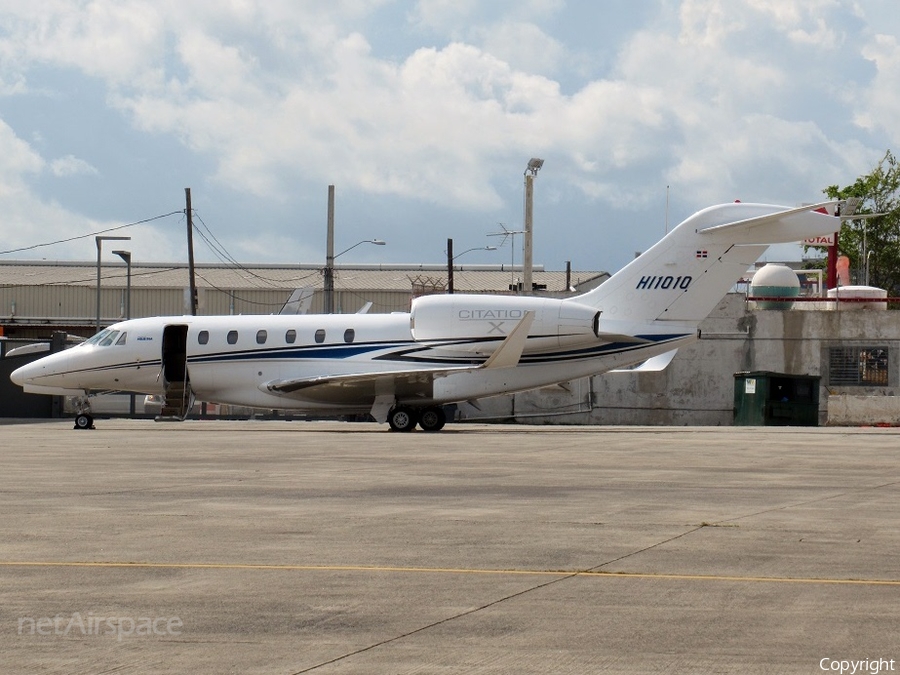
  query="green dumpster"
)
[{"x": 764, "y": 398}]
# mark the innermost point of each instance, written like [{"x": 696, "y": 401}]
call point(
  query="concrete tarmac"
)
[{"x": 333, "y": 548}]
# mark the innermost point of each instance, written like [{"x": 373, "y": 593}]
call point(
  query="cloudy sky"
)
[{"x": 424, "y": 115}]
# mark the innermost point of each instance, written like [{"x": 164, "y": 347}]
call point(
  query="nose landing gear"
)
[
  {"x": 83, "y": 417},
  {"x": 84, "y": 421}
]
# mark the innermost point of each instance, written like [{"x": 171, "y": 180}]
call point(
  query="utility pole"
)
[
  {"x": 449, "y": 265},
  {"x": 190, "y": 240},
  {"x": 329, "y": 255}
]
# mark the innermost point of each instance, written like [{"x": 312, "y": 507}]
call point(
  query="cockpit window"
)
[
  {"x": 121, "y": 340},
  {"x": 97, "y": 337},
  {"x": 109, "y": 338}
]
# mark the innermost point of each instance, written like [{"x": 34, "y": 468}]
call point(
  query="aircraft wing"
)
[{"x": 402, "y": 384}]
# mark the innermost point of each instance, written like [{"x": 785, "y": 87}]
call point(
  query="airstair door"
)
[{"x": 178, "y": 398}]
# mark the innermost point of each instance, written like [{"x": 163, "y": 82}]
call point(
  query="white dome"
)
[{"x": 774, "y": 275}]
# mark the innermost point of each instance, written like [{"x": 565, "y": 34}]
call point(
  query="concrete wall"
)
[{"x": 698, "y": 386}]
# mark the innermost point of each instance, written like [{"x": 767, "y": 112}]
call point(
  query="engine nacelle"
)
[{"x": 481, "y": 317}]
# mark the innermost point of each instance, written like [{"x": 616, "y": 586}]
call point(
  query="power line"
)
[
  {"x": 91, "y": 234},
  {"x": 235, "y": 296},
  {"x": 112, "y": 274},
  {"x": 222, "y": 253}
]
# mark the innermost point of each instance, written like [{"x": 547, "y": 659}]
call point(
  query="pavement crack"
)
[
  {"x": 564, "y": 576},
  {"x": 596, "y": 568},
  {"x": 440, "y": 622},
  {"x": 817, "y": 500}
]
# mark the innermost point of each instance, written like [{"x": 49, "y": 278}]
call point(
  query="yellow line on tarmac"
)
[{"x": 452, "y": 570}]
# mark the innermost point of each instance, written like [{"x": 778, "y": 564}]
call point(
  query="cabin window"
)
[
  {"x": 203, "y": 337},
  {"x": 349, "y": 335},
  {"x": 320, "y": 335},
  {"x": 291, "y": 336},
  {"x": 261, "y": 337},
  {"x": 122, "y": 337},
  {"x": 232, "y": 337}
]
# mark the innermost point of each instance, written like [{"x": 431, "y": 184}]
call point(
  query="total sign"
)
[{"x": 827, "y": 240}]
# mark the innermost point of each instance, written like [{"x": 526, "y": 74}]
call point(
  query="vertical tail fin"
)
[{"x": 684, "y": 275}]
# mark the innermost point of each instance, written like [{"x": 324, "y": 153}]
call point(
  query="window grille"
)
[{"x": 858, "y": 366}]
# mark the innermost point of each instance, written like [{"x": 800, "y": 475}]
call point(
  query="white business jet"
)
[{"x": 402, "y": 368}]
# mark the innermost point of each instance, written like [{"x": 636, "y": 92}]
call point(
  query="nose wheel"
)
[{"x": 84, "y": 421}]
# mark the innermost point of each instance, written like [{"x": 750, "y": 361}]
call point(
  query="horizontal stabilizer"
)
[
  {"x": 652, "y": 365},
  {"x": 785, "y": 226}
]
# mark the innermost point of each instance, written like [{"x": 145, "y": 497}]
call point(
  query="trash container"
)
[{"x": 764, "y": 398}]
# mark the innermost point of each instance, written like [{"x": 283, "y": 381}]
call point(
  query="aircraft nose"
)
[
  {"x": 20, "y": 375},
  {"x": 47, "y": 371}
]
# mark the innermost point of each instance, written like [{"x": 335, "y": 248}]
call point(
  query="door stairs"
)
[{"x": 178, "y": 401}]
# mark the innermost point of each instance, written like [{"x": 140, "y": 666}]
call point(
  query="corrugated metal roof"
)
[{"x": 476, "y": 278}]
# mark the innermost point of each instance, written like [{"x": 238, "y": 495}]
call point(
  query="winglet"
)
[{"x": 510, "y": 350}]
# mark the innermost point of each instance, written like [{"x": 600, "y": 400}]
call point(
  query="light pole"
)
[
  {"x": 451, "y": 258},
  {"x": 328, "y": 273},
  {"x": 534, "y": 165},
  {"x": 99, "y": 240},
  {"x": 126, "y": 256}
]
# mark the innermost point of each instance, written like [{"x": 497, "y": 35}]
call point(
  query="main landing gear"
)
[{"x": 405, "y": 418}]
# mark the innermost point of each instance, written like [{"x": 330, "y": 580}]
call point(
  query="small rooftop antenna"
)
[{"x": 509, "y": 234}]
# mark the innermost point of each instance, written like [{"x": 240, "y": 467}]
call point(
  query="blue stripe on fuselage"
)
[{"x": 405, "y": 352}]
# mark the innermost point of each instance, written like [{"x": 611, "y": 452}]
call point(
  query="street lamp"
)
[
  {"x": 329, "y": 271},
  {"x": 99, "y": 240},
  {"x": 451, "y": 258},
  {"x": 534, "y": 165},
  {"x": 126, "y": 256}
]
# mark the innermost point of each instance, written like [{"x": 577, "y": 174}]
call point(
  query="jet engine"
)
[{"x": 477, "y": 318}]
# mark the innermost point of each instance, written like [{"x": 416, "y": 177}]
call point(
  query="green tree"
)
[{"x": 875, "y": 240}]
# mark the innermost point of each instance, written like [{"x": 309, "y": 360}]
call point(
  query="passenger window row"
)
[{"x": 290, "y": 337}]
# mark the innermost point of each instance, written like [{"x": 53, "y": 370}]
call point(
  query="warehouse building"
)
[
  {"x": 853, "y": 350},
  {"x": 38, "y": 298}
]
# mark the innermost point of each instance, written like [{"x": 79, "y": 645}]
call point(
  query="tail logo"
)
[{"x": 653, "y": 283}]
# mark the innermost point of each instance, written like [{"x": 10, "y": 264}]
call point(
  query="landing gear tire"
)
[
  {"x": 402, "y": 418},
  {"x": 84, "y": 421},
  {"x": 432, "y": 419}
]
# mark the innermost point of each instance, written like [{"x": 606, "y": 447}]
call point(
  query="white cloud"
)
[
  {"x": 19, "y": 159},
  {"x": 715, "y": 97},
  {"x": 523, "y": 45},
  {"x": 71, "y": 166},
  {"x": 881, "y": 108}
]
